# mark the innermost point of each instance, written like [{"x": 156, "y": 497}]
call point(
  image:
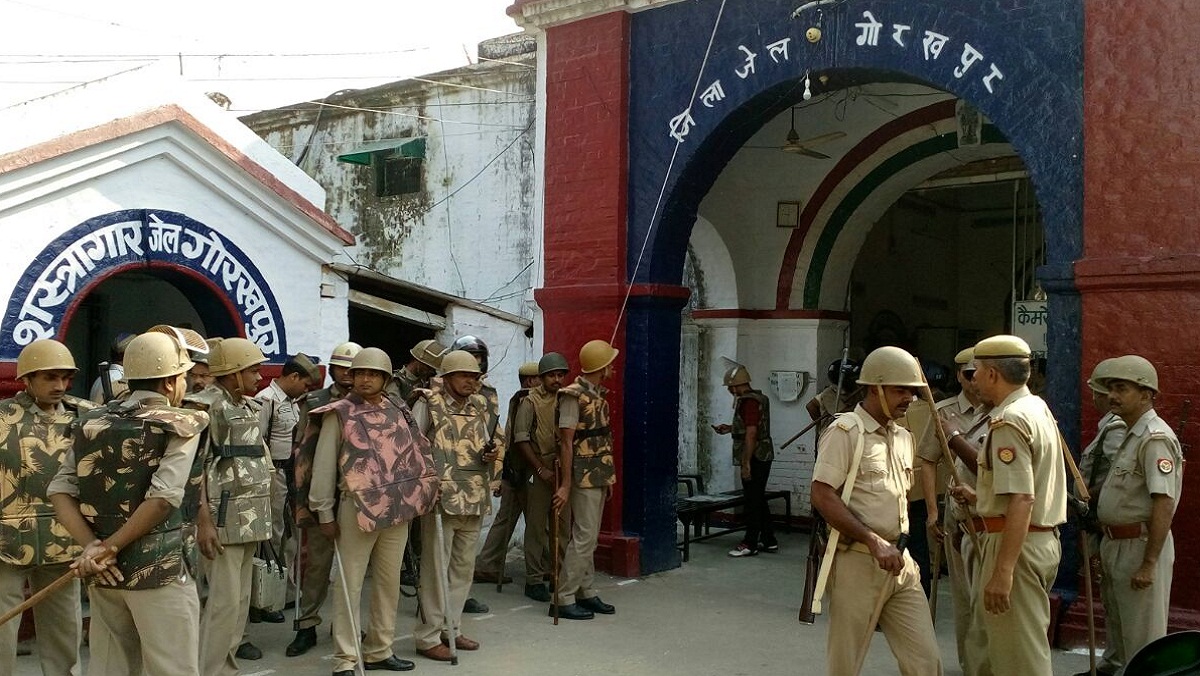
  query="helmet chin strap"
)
[{"x": 883, "y": 402}]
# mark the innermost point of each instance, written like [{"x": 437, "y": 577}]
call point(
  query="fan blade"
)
[
  {"x": 823, "y": 138},
  {"x": 812, "y": 153}
]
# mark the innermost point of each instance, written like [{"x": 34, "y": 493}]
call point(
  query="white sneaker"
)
[{"x": 742, "y": 550}]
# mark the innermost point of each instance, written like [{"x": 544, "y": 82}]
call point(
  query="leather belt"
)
[
  {"x": 1125, "y": 531},
  {"x": 995, "y": 524}
]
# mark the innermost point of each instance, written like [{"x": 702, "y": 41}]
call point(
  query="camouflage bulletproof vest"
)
[
  {"x": 118, "y": 449},
  {"x": 459, "y": 437},
  {"x": 592, "y": 466},
  {"x": 516, "y": 469},
  {"x": 307, "y": 431},
  {"x": 238, "y": 468},
  {"x": 32, "y": 446},
  {"x": 545, "y": 427},
  {"x": 764, "y": 450},
  {"x": 384, "y": 462}
]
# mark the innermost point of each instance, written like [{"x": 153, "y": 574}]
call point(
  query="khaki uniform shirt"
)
[
  {"x": 1149, "y": 462},
  {"x": 281, "y": 416},
  {"x": 1023, "y": 455},
  {"x": 1110, "y": 432},
  {"x": 885, "y": 472}
]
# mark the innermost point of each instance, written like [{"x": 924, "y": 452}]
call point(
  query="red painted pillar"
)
[
  {"x": 1140, "y": 274},
  {"x": 587, "y": 102}
]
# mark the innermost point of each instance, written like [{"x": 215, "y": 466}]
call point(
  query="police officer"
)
[
  {"x": 1136, "y": 508},
  {"x": 417, "y": 372},
  {"x": 874, "y": 580},
  {"x": 587, "y": 475},
  {"x": 466, "y": 441},
  {"x": 535, "y": 435},
  {"x": 1094, "y": 465},
  {"x": 280, "y": 402},
  {"x": 199, "y": 377},
  {"x": 314, "y": 583},
  {"x": 514, "y": 484},
  {"x": 1021, "y": 501},
  {"x": 34, "y": 546},
  {"x": 237, "y": 488},
  {"x": 753, "y": 451},
  {"x": 964, "y": 419},
  {"x": 130, "y": 488},
  {"x": 371, "y": 453},
  {"x": 827, "y": 403}
]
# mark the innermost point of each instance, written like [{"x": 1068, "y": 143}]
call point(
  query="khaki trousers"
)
[
  {"x": 380, "y": 552},
  {"x": 1141, "y": 615},
  {"x": 856, "y": 584},
  {"x": 1016, "y": 639},
  {"x": 495, "y": 546},
  {"x": 962, "y": 562},
  {"x": 314, "y": 584},
  {"x": 461, "y": 534},
  {"x": 538, "y": 510},
  {"x": 579, "y": 566},
  {"x": 150, "y": 631},
  {"x": 223, "y": 620},
  {"x": 58, "y": 619},
  {"x": 975, "y": 662}
]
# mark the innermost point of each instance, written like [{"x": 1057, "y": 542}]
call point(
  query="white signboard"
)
[{"x": 1030, "y": 318}]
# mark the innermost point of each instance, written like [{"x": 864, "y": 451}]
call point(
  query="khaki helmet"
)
[
  {"x": 343, "y": 354},
  {"x": 1002, "y": 347},
  {"x": 891, "y": 366},
  {"x": 528, "y": 370},
  {"x": 595, "y": 355},
  {"x": 157, "y": 354},
  {"x": 1101, "y": 373},
  {"x": 1135, "y": 369},
  {"x": 44, "y": 355},
  {"x": 460, "y": 361},
  {"x": 230, "y": 355},
  {"x": 738, "y": 375},
  {"x": 552, "y": 361},
  {"x": 429, "y": 353},
  {"x": 373, "y": 359}
]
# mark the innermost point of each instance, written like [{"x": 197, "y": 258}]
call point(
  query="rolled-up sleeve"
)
[
  {"x": 66, "y": 481},
  {"x": 523, "y": 422},
  {"x": 325, "y": 475},
  {"x": 170, "y": 479}
]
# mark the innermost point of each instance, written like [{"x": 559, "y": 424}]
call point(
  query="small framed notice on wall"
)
[{"x": 787, "y": 215}]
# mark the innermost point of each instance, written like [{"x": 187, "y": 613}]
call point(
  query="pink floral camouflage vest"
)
[{"x": 384, "y": 462}]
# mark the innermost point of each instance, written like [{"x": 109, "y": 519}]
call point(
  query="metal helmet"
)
[
  {"x": 44, "y": 355},
  {"x": 459, "y": 361},
  {"x": 158, "y": 354},
  {"x": 343, "y": 354},
  {"x": 1002, "y": 347},
  {"x": 528, "y": 370},
  {"x": 230, "y": 355},
  {"x": 552, "y": 361},
  {"x": 738, "y": 375},
  {"x": 476, "y": 347},
  {"x": 1135, "y": 369},
  {"x": 837, "y": 368},
  {"x": 595, "y": 355},
  {"x": 374, "y": 359},
  {"x": 1102, "y": 372},
  {"x": 891, "y": 366},
  {"x": 429, "y": 353}
]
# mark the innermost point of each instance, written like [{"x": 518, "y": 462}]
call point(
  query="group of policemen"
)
[
  {"x": 1008, "y": 493},
  {"x": 191, "y": 455}
]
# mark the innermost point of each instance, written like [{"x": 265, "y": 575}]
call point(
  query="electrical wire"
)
[{"x": 412, "y": 115}]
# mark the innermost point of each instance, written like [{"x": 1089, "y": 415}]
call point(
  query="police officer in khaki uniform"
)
[
  {"x": 466, "y": 440},
  {"x": 34, "y": 546},
  {"x": 131, "y": 487},
  {"x": 415, "y": 375},
  {"x": 514, "y": 492},
  {"x": 535, "y": 434},
  {"x": 372, "y": 455},
  {"x": 587, "y": 476},
  {"x": 237, "y": 491},
  {"x": 874, "y": 580},
  {"x": 318, "y": 562},
  {"x": 1021, "y": 500},
  {"x": 1094, "y": 465},
  {"x": 827, "y": 403},
  {"x": 753, "y": 451},
  {"x": 1136, "y": 508}
]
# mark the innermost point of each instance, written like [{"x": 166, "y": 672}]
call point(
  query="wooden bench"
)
[{"x": 695, "y": 511}]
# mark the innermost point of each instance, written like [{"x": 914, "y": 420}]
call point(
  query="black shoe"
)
[
  {"x": 347, "y": 672},
  {"x": 304, "y": 641},
  {"x": 538, "y": 592},
  {"x": 270, "y": 616},
  {"x": 473, "y": 606},
  {"x": 572, "y": 612},
  {"x": 771, "y": 547},
  {"x": 595, "y": 605},
  {"x": 392, "y": 663},
  {"x": 248, "y": 651}
]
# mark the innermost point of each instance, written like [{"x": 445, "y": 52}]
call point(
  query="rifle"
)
[
  {"x": 1183, "y": 421},
  {"x": 812, "y": 565},
  {"x": 807, "y": 427},
  {"x": 106, "y": 381}
]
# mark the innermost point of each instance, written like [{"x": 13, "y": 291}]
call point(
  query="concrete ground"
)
[{"x": 714, "y": 616}]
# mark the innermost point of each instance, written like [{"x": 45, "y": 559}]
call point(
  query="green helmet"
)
[
  {"x": 1102, "y": 372},
  {"x": 1135, "y": 369},
  {"x": 891, "y": 366},
  {"x": 552, "y": 361}
]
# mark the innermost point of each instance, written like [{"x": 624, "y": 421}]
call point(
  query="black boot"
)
[
  {"x": 595, "y": 605},
  {"x": 572, "y": 612},
  {"x": 248, "y": 651},
  {"x": 538, "y": 592},
  {"x": 304, "y": 641}
]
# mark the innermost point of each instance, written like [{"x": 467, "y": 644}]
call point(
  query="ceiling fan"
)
[{"x": 793, "y": 144}]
